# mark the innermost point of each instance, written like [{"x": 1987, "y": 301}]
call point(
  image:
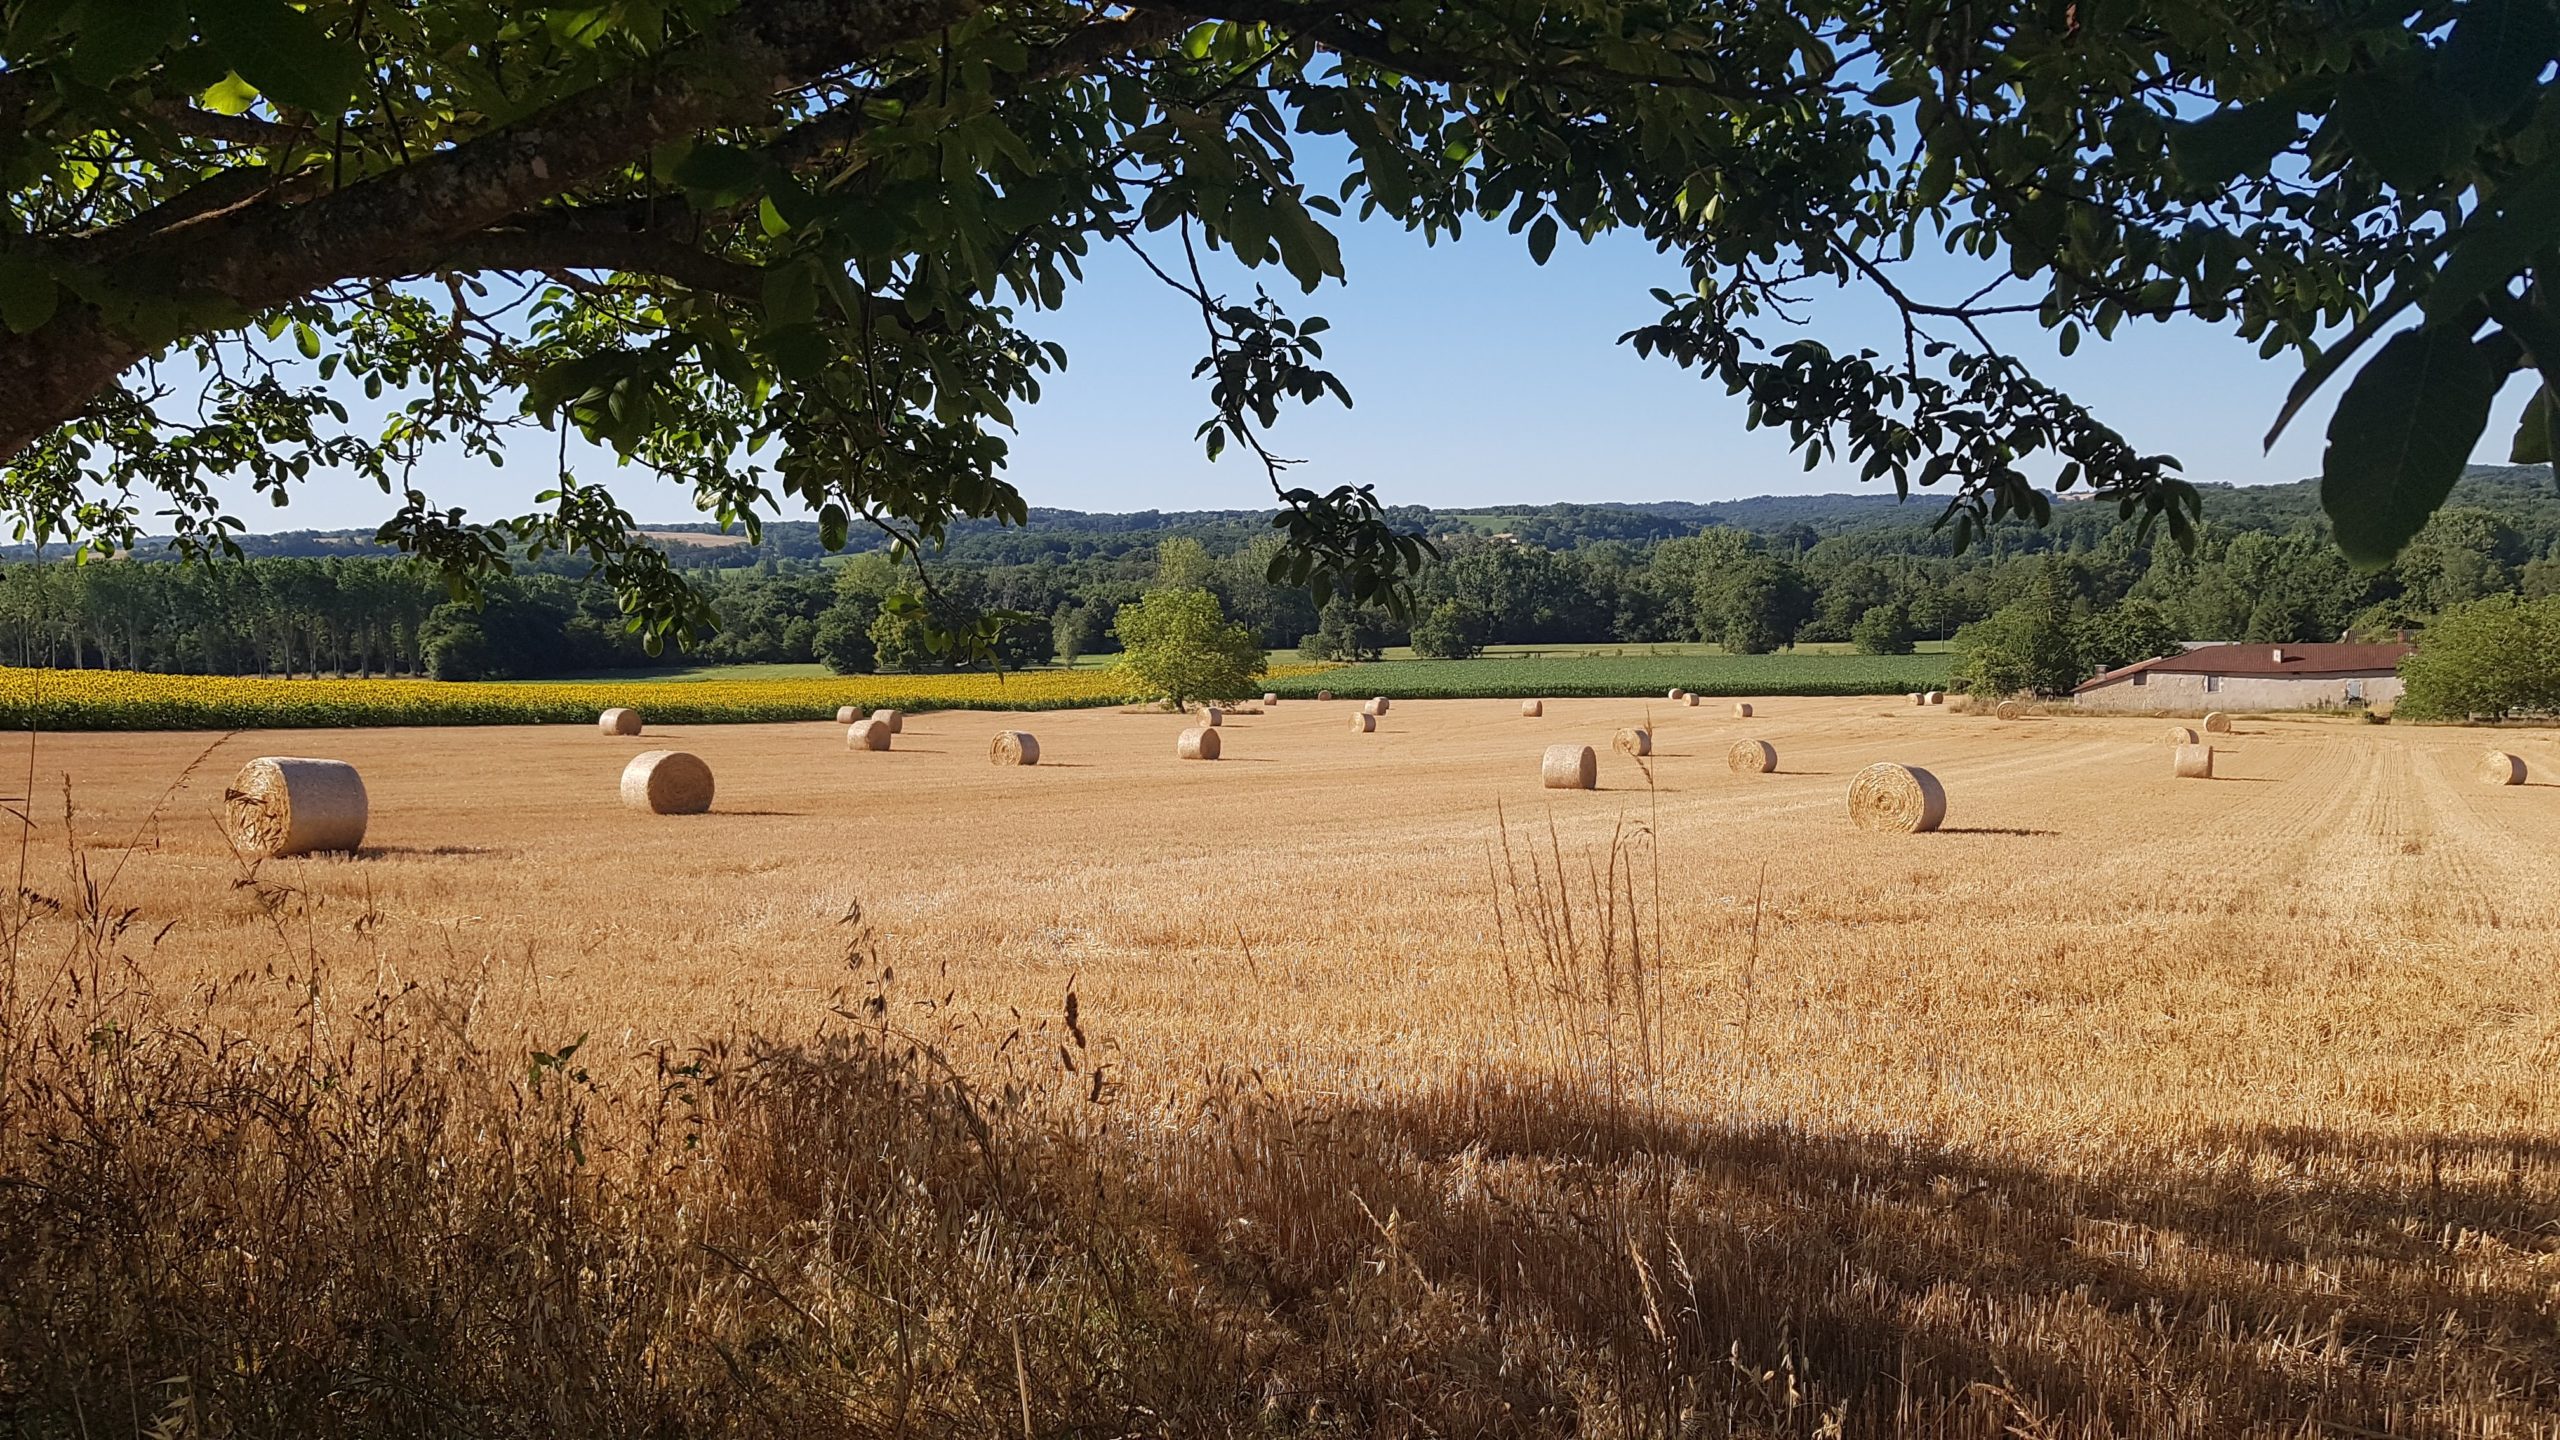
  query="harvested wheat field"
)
[{"x": 1296, "y": 1094}]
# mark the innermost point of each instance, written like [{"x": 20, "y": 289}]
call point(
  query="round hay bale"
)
[
  {"x": 1569, "y": 767},
  {"x": 896, "y": 722},
  {"x": 1212, "y": 716},
  {"x": 1897, "y": 799},
  {"x": 1689, "y": 698},
  {"x": 1635, "y": 740},
  {"x": 667, "y": 782},
  {"x": 2179, "y": 735},
  {"x": 2193, "y": 762},
  {"x": 1936, "y": 697},
  {"x": 1751, "y": 757},
  {"x": 2008, "y": 710},
  {"x": 1674, "y": 695},
  {"x": 1376, "y": 706},
  {"x": 1324, "y": 694},
  {"x": 1014, "y": 747},
  {"x": 286, "y": 805},
  {"x": 1270, "y": 698},
  {"x": 619, "y": 721},
  {"x": 1919, "y": 697},
  {"x": 2217, "y": 723},
  {"x": 872, "y": 734},
  {"x": 1197, "y": 743},
  {"x": 1742, "y": 711},
  {"x": 2497, "y": 767},
  {"x": 1362, "y": 722},
  {"x": 1533, "y": 708}
]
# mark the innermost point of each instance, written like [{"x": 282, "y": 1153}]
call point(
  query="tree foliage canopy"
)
[
  {"x": 1181, "y": 644},
  {"x": 793, "y": 251},
  {"x": 2493, "y": 658}
]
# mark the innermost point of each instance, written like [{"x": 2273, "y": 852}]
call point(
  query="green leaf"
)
[
  {"x": 2533, "y": 324},
  {"x": 790, "y": 294},
  {"x": 2499, "y": 240},
  {"x": 2532, "y": 445},
  {"x": 1309, "y": 250},
  {"x": 284, "y": 52},
  {"x": 2402, "y": 121},
  {"x": 721, "y": 175},
  {"x": 122, "y": 37},
  {"x": 2317, "y": 373},
  {"x": 2218, "y": 149},
  {"x": 1894, "y": 92},
  {"x": 27, "y": 294},
  {"x": 2497, "y": 51},
  {"x": 565, "y": 381},
  {"x": 578, "y": 27},
  {"x": 229, "y": 95},
  {"x": 36, "y": 21},
  {"x": 798, "y": 351},
  {"x": 2401, "y": 436},
  {"x": 1542, "y": 239}
]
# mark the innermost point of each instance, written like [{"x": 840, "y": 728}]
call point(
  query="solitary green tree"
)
[
  {"x": 1180, "y": 644},
  {"x": 1754, "y": 604},
  {"x": 1452, "y": 630},
  {"x": 1883, "y": 630},
  {"x": 1183, "y": 563}
]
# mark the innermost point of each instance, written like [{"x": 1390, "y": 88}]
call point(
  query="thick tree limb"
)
[
  {"x": 268, "y": 252},
  {"x": 568, "y": 248}
]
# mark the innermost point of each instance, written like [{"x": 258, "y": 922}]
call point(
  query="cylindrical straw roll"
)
[
  {"x": 1897, "y": 798},
  {"x": 287, "y": 805}
]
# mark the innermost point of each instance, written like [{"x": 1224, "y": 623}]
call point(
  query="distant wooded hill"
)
[{"x": 2523, "y": 495}]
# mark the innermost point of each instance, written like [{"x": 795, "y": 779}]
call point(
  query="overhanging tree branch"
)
[{"x": 267, "y": 252}]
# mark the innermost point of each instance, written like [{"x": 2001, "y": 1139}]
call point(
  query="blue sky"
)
[{"x": 1479, "y": 378}]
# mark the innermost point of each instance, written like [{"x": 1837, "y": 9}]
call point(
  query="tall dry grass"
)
[{"x": 327, "y": 1195}]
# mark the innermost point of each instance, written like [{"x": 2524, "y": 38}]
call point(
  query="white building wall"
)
[{"x": 2241, "y": 692}]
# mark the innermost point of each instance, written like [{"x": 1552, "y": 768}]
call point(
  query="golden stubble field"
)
[{"x": 2123, "y": 1104}]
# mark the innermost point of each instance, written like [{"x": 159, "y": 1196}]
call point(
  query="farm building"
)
[{"x": 2252, "y": 677}]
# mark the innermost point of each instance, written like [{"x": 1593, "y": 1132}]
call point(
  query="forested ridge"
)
[{"x": 1753, "y": 575}]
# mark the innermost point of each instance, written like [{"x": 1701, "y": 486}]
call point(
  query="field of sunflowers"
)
[{"x": 127, "y": 700}]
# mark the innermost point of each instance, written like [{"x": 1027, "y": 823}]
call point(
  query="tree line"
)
[{"x": 1882, "y": 589}]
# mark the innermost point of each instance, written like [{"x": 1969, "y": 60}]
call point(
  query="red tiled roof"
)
[{"x": 2259, "y": 660}]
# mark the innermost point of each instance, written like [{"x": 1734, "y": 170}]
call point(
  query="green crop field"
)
[{"x": 1564, "y": 673}]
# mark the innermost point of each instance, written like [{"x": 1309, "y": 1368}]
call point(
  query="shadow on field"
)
[
  {"x": 838, "y": 1237},
  {"x": 1992, "y": 830},
  {"x": 390, "y": 851},
  {"x": 1873, "y": 1284}
]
